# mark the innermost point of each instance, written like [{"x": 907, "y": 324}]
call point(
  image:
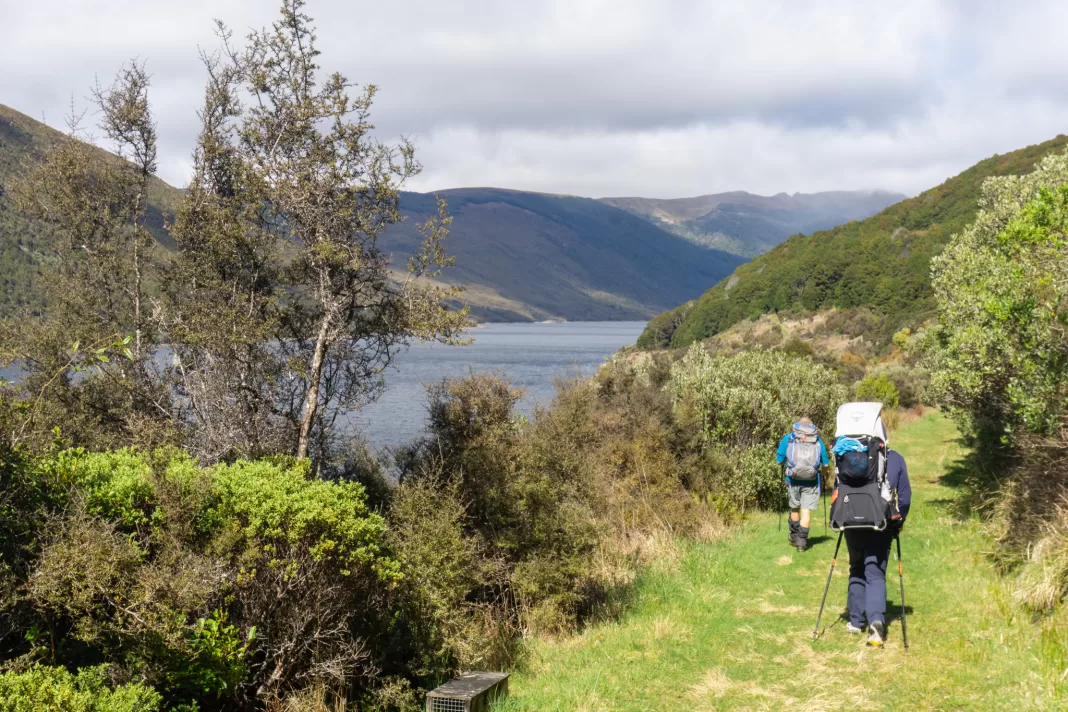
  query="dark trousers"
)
[{"x": 869, "y": 552}]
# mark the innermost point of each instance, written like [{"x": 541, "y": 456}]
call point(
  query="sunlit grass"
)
[{"x": 729, "y": 626}]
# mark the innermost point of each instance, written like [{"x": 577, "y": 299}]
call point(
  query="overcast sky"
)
[{"x": 669, "y": 98}]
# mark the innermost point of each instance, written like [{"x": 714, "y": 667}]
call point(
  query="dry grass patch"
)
[
  {"x": 713, "y": 684},
  {"x": 668, "y": 627},
  {"x": 764, "y": 607}
]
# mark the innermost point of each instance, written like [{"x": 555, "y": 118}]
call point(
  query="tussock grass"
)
[{"x": 728, "y": 626}]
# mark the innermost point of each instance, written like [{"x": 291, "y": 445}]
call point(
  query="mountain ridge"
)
[
  {"x": 523, "y": 256},
  {"x": 881, "y": 263},
  {"x": 608, "y": 264},
  {"x": 747, "y": 224}
]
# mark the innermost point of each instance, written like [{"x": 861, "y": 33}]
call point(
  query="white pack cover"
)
[{"x": 855, "y": 419}]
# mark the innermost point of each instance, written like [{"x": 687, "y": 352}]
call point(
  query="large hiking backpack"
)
[
  {"x": 861, "y": 497},
  {"x": 803, "y": 453}
]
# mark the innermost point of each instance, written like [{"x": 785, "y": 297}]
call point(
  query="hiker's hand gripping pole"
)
[
  {"x": 834, "y": 560},
  {"x": 901, "y": 579}
]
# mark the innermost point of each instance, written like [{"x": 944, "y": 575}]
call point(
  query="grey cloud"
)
[{"x": 598, "y": 97}]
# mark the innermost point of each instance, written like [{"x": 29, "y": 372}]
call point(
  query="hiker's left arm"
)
[{"x": 904, "y": 491}]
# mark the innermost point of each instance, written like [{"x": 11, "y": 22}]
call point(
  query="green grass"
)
[{"x": 729, "y": 625}]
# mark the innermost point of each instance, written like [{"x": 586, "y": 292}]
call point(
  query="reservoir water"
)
[{"x": 529, "y": 356}]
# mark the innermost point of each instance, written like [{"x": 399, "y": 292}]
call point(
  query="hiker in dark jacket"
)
[
  {"x": 869, "y": 552},
  {"x": 803, "y": 490}
]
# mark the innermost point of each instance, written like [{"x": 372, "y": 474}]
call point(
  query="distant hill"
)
[
  {"x": 748, "y": 225},
  {"x": 24, "y": 242},
  {"x": 522, "y": 256},
  {"x": 534, "y": 256},
  {"x": 882, "y": 263}
]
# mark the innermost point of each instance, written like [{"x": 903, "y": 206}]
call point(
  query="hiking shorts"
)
[{"x": 804, "y": 495}]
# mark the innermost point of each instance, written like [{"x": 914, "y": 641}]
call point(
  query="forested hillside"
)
[
  {"x": 748, "y": 225},
  {"x": 882, "y": 263}
]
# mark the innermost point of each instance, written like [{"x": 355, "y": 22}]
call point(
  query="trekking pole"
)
[
  {"x": 901, "y": 578},
  {"x": 780, "y": 503},
  {"x": 834, "y": 559},
  {"x": 824, "y": 495}
]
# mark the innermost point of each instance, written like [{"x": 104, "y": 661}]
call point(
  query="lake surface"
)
[{"x": 527, "y": 355}]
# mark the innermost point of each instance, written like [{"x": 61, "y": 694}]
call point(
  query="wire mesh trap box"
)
[{"x": 470, "y": 692}]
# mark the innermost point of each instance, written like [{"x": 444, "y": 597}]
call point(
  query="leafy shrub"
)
[
  {"x": 745, "y": 404},
  {"x": 117, "y": 485},
  {"x": 199, "y": 580},
  {"x": 798, "y": 347},
  {"x": 879, "y": 389},
  {"x": 999, "y": 363},
  {"x": 1002, "y": 356},
  {"x": 755, "y": 397},
  {"x": 911, "y": 382},
  {"x": 277, "y": 505},
  {"x": 42, "y": 689},
  {"x": 216, "y": 661}
]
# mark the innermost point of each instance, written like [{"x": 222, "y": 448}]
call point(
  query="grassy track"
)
[{"x": 728, "y": 625}]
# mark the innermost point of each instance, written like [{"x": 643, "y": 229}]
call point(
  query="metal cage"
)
[{"x": 470, "y": 692}]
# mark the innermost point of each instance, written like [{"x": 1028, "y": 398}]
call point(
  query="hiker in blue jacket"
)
[
  {"x": 869, "y": 552},
  {"x": 802, "y": 477}
]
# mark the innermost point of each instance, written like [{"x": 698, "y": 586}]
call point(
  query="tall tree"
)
[
  {"x": 96, "y": 280},
  {"x": 280, "y": 242}
]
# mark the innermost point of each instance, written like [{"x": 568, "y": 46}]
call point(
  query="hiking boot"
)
[
  {"x": 876, "y": 634},
  {"x": 801, "y": 543},
  {"x": 853, "y": 629}
]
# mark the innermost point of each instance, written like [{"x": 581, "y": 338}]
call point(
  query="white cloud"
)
[{"x": 602, "y": 97}]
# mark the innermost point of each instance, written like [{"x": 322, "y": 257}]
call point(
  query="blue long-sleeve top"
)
[
  {"x": 784, "y": 445},
  {"x": 897, "y": 476}
]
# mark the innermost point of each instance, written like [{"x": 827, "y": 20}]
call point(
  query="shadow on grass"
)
[
  {"x": 978, "y": 477},
  {"x": 893, "y": 610}
]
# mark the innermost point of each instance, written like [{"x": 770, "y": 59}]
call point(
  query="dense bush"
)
[
  {"x": 879, "y": 389},
  {"x": 53, "y": 688},
  {"x": 214, "y": 585},
  {"x": 540, "y": 502},
  {"x": 999, "y": 364},
  {"x": 745, "y": 403}
]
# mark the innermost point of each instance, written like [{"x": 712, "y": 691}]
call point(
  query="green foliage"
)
[
  {"x": 745, "y": 404},
  {"x": 1002, "y": 356},
  {"x": 170, "y": 570},
  {"x": 755, "y": 397},
  {"x": 215, "y": 663},
  {"x": 44, "y": 689},
  {"x": 878, "y": 389},
  {"x": 999, "y": 362},
  {"x": 911, "y": 382},
  {"x": 277, "y": 506},
  {"x": 882, "y": 263},
  {"x": 118, "y": 485}
]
